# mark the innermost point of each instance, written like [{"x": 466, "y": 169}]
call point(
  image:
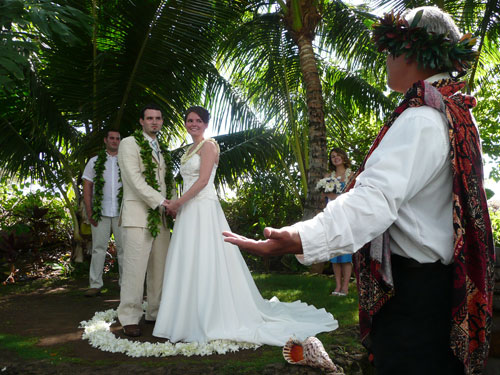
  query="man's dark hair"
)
[
  {"x": 107, "y": 131},
  {"x": 154, "y": 106}
]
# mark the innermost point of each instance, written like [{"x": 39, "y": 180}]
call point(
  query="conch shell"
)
[{"x": 310, "y": 352}]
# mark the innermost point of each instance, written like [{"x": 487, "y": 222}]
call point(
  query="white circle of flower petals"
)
[{"x": 97, "y": 331}]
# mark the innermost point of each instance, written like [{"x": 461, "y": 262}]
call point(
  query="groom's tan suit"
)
[{"x": 143, "y": 254}]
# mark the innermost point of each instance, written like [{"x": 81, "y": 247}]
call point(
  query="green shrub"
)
[
  {"x": 31, "y": 222},
  {"x": 265, "y": 201},
  {"x": 495, "y": 224}
]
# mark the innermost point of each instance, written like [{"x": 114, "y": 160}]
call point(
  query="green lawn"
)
[{"x": 310, "y": 288}]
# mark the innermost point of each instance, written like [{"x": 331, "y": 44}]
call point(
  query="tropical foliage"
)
[
  {"x": 286, "y": 79},
  {"x": 32, "y": 222},
  {"x": 118, "y": 57}
]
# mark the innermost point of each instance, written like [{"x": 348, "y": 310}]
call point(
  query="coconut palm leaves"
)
[
  {"x": 278, "y": 58},
  {"x": 26, "y": 26}
]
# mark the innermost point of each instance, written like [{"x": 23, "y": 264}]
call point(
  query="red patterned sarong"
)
[{"x": 474, "y": 256}]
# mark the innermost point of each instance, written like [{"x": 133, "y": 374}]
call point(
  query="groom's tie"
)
[{"x": 155, "y": 148}]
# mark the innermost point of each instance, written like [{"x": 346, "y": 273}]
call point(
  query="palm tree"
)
[
  {"x": 301, "y": 18},
  {"x": 129, "y": 54},
  {"x": 277, "y": 58},
  {"x": 124, "y": 54}
]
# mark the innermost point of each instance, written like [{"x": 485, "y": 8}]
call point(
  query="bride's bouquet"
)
[{"x": 329, "y": 185}]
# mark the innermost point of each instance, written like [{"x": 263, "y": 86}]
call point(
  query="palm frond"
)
[
  {"x": 241, "y": 153},
  {"x": 346, "y": 32}
]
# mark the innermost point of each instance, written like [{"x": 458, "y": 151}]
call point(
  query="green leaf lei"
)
[
  {"x": 154, "y": 215},
  {"x": 392, "y": 33},
  {"x": 99, "y": 168}
]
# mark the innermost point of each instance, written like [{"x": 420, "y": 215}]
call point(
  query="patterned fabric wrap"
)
[{"x": 474, "y": 255}]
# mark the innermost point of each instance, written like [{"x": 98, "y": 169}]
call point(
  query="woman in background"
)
[{"x": 332, "y": 186}]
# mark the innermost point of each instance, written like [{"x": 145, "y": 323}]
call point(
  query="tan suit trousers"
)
[{"x": 143, "y": 256}]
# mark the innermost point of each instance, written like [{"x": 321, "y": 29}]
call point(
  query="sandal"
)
[{"x": 338, "y": 294}]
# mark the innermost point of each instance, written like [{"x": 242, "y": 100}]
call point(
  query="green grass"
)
[
  {"x": 315, "y": 290},
  {"x": 25, "y": 348},
  {"x": 312, "y": 289},
  {"x": 30, "y": 286}
]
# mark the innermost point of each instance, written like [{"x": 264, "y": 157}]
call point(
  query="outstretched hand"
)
[{"x": 278, "y": 242}]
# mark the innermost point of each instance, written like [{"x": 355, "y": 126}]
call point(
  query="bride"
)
[{"x": 208, "y": 292}]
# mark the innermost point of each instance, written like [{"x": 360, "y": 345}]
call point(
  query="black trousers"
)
[{"x": 411, "y": 332}]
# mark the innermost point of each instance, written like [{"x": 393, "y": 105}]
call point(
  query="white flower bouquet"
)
[
  {"x": 329, "y": 185},
  {"x": 332, "y": 184}
]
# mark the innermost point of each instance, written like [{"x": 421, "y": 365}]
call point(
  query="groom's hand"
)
[{"x": 278, "y": 242}]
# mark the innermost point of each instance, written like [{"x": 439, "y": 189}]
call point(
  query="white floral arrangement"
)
[
  {"x": 97, "y": 331},
  {"x": 332, "y": 184}
]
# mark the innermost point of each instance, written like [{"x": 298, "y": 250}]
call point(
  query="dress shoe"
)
[
  {"x": 147, "y": 321},
  {"x": 132, "y": 330},
  {"x": 92, "y": 292}
]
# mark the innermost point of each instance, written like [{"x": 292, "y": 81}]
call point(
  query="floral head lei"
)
[
  {"x": 392, "y": 33},
  {"x": 146, "y": 152}
]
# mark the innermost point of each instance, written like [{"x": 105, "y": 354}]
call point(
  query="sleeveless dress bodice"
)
[{"x": 190, "y": 171}]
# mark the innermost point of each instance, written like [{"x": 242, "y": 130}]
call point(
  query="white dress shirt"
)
[
  {"x": 111, "y": 186},
  {"x": 406, "y": 187}
]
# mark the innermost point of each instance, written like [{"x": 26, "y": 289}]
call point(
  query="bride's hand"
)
[
  {"x": 279, "y": 241},
  {"x": 173, "y": 205}
]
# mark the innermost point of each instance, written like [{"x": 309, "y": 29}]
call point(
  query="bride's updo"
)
[{"x": 200, "y": 111}]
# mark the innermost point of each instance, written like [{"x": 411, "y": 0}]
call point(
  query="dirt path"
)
[{"x": 53, "y": 315}]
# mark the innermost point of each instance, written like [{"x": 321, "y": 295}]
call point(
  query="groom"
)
[{"x": 145, "y": 235}]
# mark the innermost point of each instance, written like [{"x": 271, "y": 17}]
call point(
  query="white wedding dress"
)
[{"x": 208, "y": 292}]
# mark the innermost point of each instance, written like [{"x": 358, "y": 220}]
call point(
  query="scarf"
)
[{"x": 474, "y": 258}]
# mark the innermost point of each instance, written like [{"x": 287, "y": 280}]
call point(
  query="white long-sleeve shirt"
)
[{"x": 406, "y": 187}]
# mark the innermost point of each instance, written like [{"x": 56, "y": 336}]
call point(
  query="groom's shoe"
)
[
  {"x": 92, "y": 292},
  {"x": 132, "y": 330},
  {"x": 147, "y": 321}
]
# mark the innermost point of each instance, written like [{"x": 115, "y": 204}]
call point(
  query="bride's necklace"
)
[{"x": 193, "y": 150}]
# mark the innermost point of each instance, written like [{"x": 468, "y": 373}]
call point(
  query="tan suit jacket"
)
[
  {"x": 144, "y": 256},
  {"x": 138, "y": 196}
]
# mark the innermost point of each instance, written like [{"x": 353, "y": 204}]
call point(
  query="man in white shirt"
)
[
  {"x": 406, "y": 204},
  {"x": 104, "y": 221}
]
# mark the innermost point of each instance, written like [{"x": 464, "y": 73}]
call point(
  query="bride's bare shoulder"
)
[{"x": 210, "y": 145}]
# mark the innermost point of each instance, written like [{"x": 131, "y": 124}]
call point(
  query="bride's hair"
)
[{"x": 200, "y": 111}]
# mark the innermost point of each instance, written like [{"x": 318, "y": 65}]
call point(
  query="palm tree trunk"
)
[{"x": 317, "y": 129}]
